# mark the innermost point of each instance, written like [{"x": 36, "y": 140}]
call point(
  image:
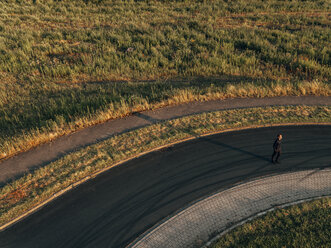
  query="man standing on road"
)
[{"x": 277, "y": 149}]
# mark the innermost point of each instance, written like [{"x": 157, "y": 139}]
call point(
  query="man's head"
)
[{"x": 279, "y": 136}]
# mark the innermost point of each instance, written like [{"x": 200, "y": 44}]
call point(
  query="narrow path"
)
[
  {"x": 117, "y": 206},
  {"x": 197, "y": 224},
  {"x": 42, "y": 155}
]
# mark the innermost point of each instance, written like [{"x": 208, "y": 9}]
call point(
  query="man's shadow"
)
[{"x": 198, "y": 136}]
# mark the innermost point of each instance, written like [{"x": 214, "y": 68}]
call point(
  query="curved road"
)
[
  {"x": 44, "y": 154},
  {"x": 114, "y": 208}
]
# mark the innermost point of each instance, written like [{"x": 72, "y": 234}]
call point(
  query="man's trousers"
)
[{"x": 275, "y": 155}]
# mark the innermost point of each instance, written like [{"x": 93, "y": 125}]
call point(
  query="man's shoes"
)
[{"x": 277, "y": 162}]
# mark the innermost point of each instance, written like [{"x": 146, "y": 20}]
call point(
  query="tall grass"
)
[{"x": 75, "y": 41}]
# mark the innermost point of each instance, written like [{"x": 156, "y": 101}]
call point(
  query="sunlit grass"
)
[{"x": 70, "y": 41}]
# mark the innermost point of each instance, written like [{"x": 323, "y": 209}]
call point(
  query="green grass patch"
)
[
  {"x": 59, "y": 60},
  {"x": 302, "y": 225},
  {"x": 32, "y": 189}
]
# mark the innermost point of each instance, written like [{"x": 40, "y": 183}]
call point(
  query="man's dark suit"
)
[{"x": 277, "y": 150}]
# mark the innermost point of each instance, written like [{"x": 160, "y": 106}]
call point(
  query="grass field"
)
[
  {"x": 71, "y": 41},
  {"x": 303, "y": 225},
  {"x": 32, "y": 189},
  {"x": 68, "y": 64}
]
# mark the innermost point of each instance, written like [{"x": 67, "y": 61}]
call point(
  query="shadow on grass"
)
[{"x": 183, "y": 82}]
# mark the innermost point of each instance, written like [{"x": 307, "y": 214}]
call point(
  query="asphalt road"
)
[{"x": 114, "y": 208}]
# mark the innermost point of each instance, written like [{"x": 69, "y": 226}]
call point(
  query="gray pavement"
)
[
  {"x": 117, "y": 206},
  {"x": 197, "y": 224},
  {"x": 22, "y": 163}
]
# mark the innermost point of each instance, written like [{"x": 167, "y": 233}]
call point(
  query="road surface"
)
[{"x": 114, "y": 208}]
